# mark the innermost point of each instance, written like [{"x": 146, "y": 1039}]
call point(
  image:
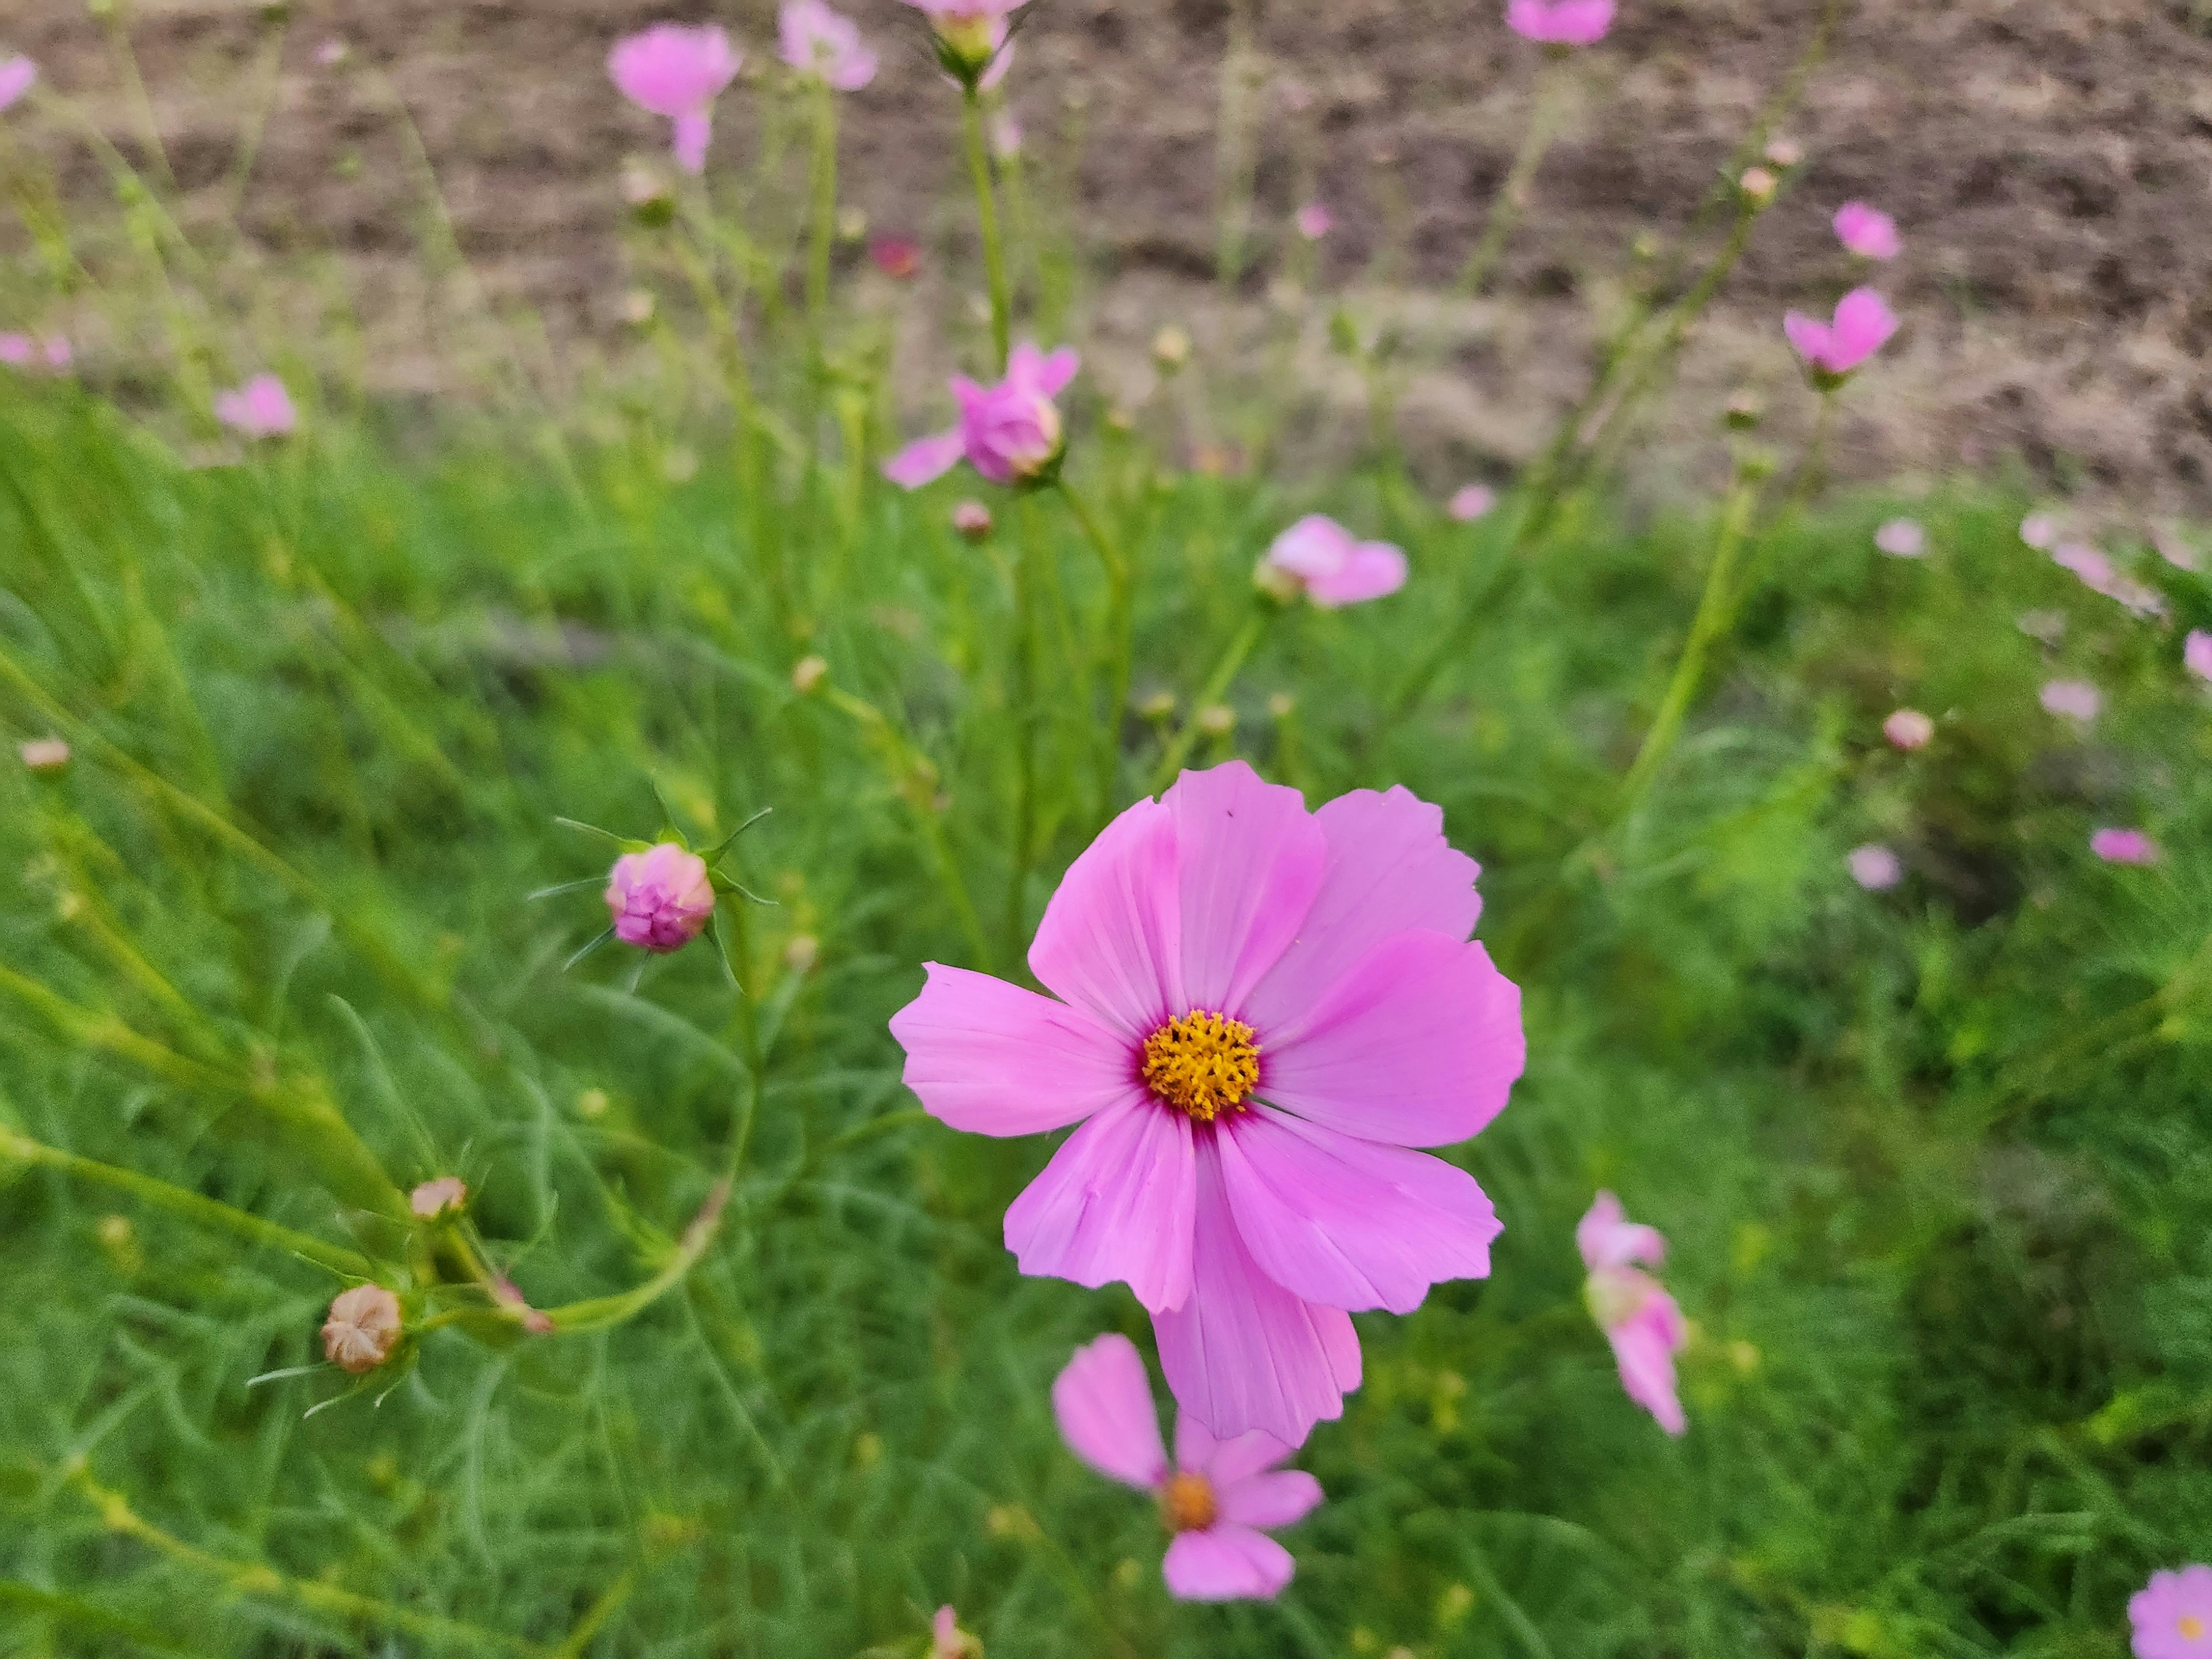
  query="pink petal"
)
[
  {"x": 1372, "y": 570},
  {"x": 1269, "y": 1500},
  {"x": 1225, "y": 1462},
  {"x": 1057, "y": 370},
  {"x": 1111, "y": 939},
  {"x": 1388, "y": 868},
  {"x": 1863, "y": 324},
  {"x": 924, "y": 460},
  {"x": 1808, "y": 335},
  {"x": 1117, "y": 1202},
  {"x": 1251, "y": 858},
  {"x": 1226, "y": 1564},
  {"x": 1312, "y": 548},
  {"x": 1417, "y": 1045},
  {"x": 1242, "y": 1353},
  {"x": 1606, "y": 1238},
  {"x": 1350, "y": 1224},
  {"x": 693, "y": 129},
  {"x": 1104, "y": 1400},
  {"x": 1643, "y": 1350},
  {"x": 995, "y": 1060}
]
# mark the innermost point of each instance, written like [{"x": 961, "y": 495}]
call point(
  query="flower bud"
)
[
  {"x": 1171, "y": 348},
  {"x": 808, "y": 674},
  {"x": 1758, "y": 186},
  {"x": 1744, "y": 411},
  {"x": 1784, "y": 153},
  {"x": 972, "y": 520},
  {"x": 661, "y": 899},
  {"x": 1157, "y": 706},
  {"x": 444, "y": 1196},
  {"x": 44, "y": 755},
  {"x": 1217, "y": 720},
  {"x": 801, "y": 952},
  {"x": 364, "y": 1326}
]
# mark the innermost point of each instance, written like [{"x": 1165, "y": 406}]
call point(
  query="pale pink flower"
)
[
  {"x": 1219, "y": 1498},
  {"x": 362, "y": 1328},
  {"x": 1472, "y": 502},
  {"x": 1560, "y": 22},
  {"x": 2196, "y": 653},
  {"x": 1011, "y": 432},
  {"x": 2039, "y": 530},
  {"x": 2075, "y": 700},
  {"x": 1862, "y": 325},
  {"x": 2172, "y": 1615},
  {"x": 434, "y": 1198},
  {"x": 1320, "y": 559},
  {"x": 1638, "y": 1316},
  {"x": 1908, "y": 728},
  {"x": 1868, "y": 234},
  {"x": 45, "y": 754},
  {"x": 661, "y": 899},
  {"x": 1902, "y": 538},
  {"x": 1315, "y": 221},
  {"x": 677, "y": 72},
  {"x": 2123, "y": 846},
  {"x": 1265, "y": 1010},
  {"x": 815, "y": 39},
  {"x": 259, "y": 408},
  {"x": 17, "y": 76},
  {"x": 1874, "y": 867}
]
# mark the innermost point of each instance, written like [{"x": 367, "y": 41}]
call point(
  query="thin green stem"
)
[
  {"x": 1024, "y": 703},
  {"x": 1512, "y": 198},
  {"x": 1216, "y": 685},
  {"x": 824, "y": 230},
  {"x": 987, "y": 225},
  {"x": 1121, "y": 639}
]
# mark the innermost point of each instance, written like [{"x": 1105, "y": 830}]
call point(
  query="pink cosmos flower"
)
[
  {"x": 1908, "y": 728},
  {"x": 1320, "y": 558},
  {"x": 677, "y": 72},
  {"x": 1863, "y": 325},
  {"x": 2196, "y": 653},
  {"x": 1560, "y": 22},
  {"x": 1869, "y": 234},
  {"x": 2038, "y": 530},
  {"x": 2075, "y": 699},
  {"x": 17, "y": 76},
  {"x": 1263, "y": 1010},
  {"x": 817, "y": 38},
  {"x": 661, "y": 899},
  {"x": 1219, "y": 1498},
  {"x": 2172, "y": 1615},
  {"x": 1315, "y": 222},
  {"x": 259, "y": 408},
  {"x": 1010, "y": 432},
  {"x": 1636, "y": 1314},
  {"x": 2123, "y": 846},
  {"x": 1901, "y": 538},
  {"x": 1874, "y": 867},
  {"x": 1471, "y": 502}
]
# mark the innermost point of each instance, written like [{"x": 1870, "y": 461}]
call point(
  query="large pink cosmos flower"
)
[
  {"x": 2172, "y": 1615},
  {"x": 817, "y": 38},
  {"x": 1862, "y": 325},
  {"x": 1219, "y": 1498},
  {"x": 1867, "y": 232},
  {"x": 259, "y": 408},
  {"x": 1262, "y": 1009},
  {"x": 677, "y": 72},
  {"x": 17, "y": 76},
  {"x": 1636, "y": 1314},
  {"x": 1560, "y": 22},
  {"x": 1011, "y": 432},
  {"x": 1320, "y": 558},
  {"x": 661, "y": 899}
]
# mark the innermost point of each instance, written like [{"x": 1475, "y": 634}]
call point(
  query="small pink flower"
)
[
  {"x": 45, "y": 754},
  {"x": 1862, "y": 325},
  {"x": 1874, "y": 867},
  {"x": 17, "y": 350},
  {"x": 2172, "y": 1615},
  {"x": 1471, "y": 502},
  {"x": 1908, "y": 728},
  {"x": 1219, "y": 1498},
  {"x": 2196, "y": 653},
  {"x": 2075, "y": 700},
  {"x": 817, "y": 38},
  {"x": 259, "y": 408},
  {"x": 677, "y": 72},
  {"x": 897, "y": 257},
  {"x": 1902, "y": 538},
  {"x": 2123, "y": 846},
  {"x": 436, "y": 1198},
  {"x": 947, "y": 1640},
  {"x": 17, "y": 76},
  {"x": 1560, "y": 22},
  {"x": 1315, "y": 222},
  {"x": 1265, "y": 1010},
  {"x": 1011, "y": 432},
  {"x": 661, "y": 899},
  {"x": 1869, "y": 234},
  {"x": 363, "y": 1329},
  {"x": 1320, "y": 558},
  {"x": 2039, "y": 530},
  {"x": 1636, "y": 1314}
]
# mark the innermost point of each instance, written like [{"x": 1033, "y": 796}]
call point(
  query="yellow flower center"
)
[
  {"x": 1202, "y": 1063},
  {"x": 1186, "y": 1502},
  {"x": 2192, "y": 1627}
]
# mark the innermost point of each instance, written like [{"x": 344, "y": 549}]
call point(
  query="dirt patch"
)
[{"x": 2049, "y": 161}]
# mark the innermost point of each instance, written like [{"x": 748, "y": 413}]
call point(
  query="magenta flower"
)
[
  {"x": 661, "y": 899},
  {"x": 1315, "y": 221},
  {"x": 1638, "y": 1316},
  {"x": 1262, "y": 1011},
  {"x": 1010, "y": 432},
  {"x": 1560, "y": 22},
  {"x": 1219, "y": 1498},
  {"x": 1863, "y": 325},
  {"x": 1901, "y": 538},
  {"x": 2075, "y": 699},
  {"x": 1874, "y": 867},
  {"x": 2172, "y": 1615},
  {"x": 2123, "y": 846},
  {"x": 1869, "y": 234},
  {"x": 1320, "y": 559},
  {"x": 1472, "y": 502},
  {"x": 815, "y": 39},
  {"x": 259, "y": 408},
  {"x": 2196, "y": 653},
  {"x": 677, "y": 72},
  {"x": 1908, "y": 728},
  {"x": 17, "y": 76}
]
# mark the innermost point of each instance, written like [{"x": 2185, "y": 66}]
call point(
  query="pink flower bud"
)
[
  {"x": 47, "y": 754},
  {"x": 17, "y": 75},
  {"x": 661, "y": 899},
  {"x": 364, "y": 1326},
  {"x": 2039, "y": 530},
  {"x": 972, "y": 521},
  {"x": 2123, "y": 846},
  {"x": 1901, "y": 538},
  {"x": 445, "y": 1196},
  {"x": 1908, "y": 728},
  {"x": 1869, "y": 234},
  {"x": 897, "y": 257},
  {"x": 1315, "y": 222},
  {"x": 1874, "y": 867},
  {"x": 262, "y": 408},
  {"x": 1472, "y": 502}
]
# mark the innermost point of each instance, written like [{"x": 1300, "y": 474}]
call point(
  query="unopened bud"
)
[
  {"x": 45, "y": 754},
  {"x": 972, "y": 519},
  {"x": 1171, "y": 348},
  {"x": 808, "y": 674},
  {"x": 1758, "y": 186},
  {"x": 444, "y": 1196},
  {"x": 852, "y": 225},
  {"x": 1282, "y": 706},
  {"x": 1158, "y": 706},
  {"x": 592, "y": 1103},
  {"x": 1217, "y": 720},
  {"x": 637, "y": 307},
  {"x": 1784, "y": 153},
  {"x": 362, "y": 1328}
]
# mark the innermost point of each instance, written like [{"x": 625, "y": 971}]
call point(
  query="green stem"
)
[
  {"x": 1217, "y": 683},
  {"x": 1120, "y": 639},
  {"x": 1024, "y": 703},
  {"x": 1512, "y": 198},
  {"x": 987, "y": 224},
  {"x": 824, "y": 170},
  {"x": 600, "y": 1312}
]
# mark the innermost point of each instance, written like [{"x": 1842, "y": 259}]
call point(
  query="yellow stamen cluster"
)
[
  {"x": 2192, "y": 1627},
  {"x": 1186, "y": 1502},
  {"x": 1202, "y": 1063}
]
